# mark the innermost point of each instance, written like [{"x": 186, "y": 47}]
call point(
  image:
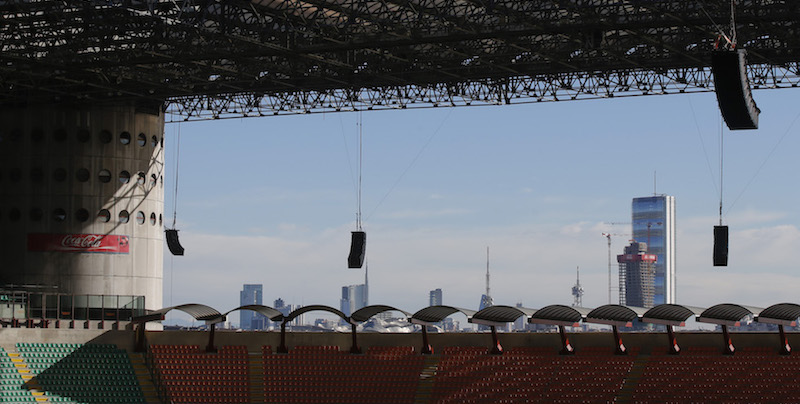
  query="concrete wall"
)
[{"x": 52, "y": 187}]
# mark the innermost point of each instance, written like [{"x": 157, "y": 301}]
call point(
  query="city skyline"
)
[{"x": 532, "y": 181}]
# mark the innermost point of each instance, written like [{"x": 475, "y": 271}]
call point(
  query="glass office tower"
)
[
  {"x": 653, "y": 219},
  {"x": 248, "y": 319}
]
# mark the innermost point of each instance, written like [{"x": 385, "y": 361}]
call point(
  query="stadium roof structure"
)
[
  {"x": 560, "y": 315},
  {"x": 615, "y": 315},
  {"x": 670, "y": 315},
  {"x": 365, "y": 313},
  {"x": 268, "y": 312},
  {"x": 215, "y": 59},
  {"x": 432, "y": 315}
]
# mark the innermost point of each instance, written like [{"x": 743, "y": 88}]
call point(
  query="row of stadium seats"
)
[
  {"x": 81, "y": 373},
  {"x": 188, "y": 375},
  {"x": 325, "y": 374}
]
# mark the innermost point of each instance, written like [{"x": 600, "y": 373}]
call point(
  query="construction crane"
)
[{"x": 608, "y": 237}]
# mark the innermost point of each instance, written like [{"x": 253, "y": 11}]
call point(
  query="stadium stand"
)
[
  {"x": 324, "y": 374},
  {"x": 78, "y": 373},
  {"x": 185, "y": 374}
]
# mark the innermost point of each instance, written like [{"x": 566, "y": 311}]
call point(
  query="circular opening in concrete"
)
[
  {"x": 104, "y": 176},
  {"x": 140, "y": 217},
  {"x": 104, "y": 215},
  {"x": 141, "y": 140},
  {"x": 154, "y": 141},
  {"x": 82, "y": 215},
  {"x": 152, "y": 219},
  {"x": 60, "y": 135},
  {"x": 160, "y": 222},
  {"x": 84, "y": 135},
  {"x": 36, "y": 214},
  {"x": 14, "y": 215},
  {"x": 82, "y": 175},
  {"x": 140, "y": 178},
  {"x": 59, "y": 175},
  {"x": 125, "y": 138},
  {"x": 105, "y": 136},
  {"x": 124, "y": 216},
  {"x": 124, "y": 177},
  {"x": 59, "y": 215},
  {"x": 153, "y": 180}
]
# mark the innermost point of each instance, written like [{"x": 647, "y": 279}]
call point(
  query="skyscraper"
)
[
  {"x": 636, "y": 276},
  {"x": 250, "y": 320},
  {"x": 653, "y": 220},
  {"x": 355, "y": 297},
  {"x": 435, "y": 298}
]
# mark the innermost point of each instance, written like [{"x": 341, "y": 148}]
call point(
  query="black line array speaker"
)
[
  {"x": 172, "y": 242},
  {"x": 720, "y": 246},
  {"x": 733, "y": 89},
  {"x": 358, "y": 247}
]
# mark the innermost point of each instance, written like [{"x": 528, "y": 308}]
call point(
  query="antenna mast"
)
[{"x": 487, "y": 272}]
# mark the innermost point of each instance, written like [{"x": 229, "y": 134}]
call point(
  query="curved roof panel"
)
[
  {"x": 615, "y": 314},
  {"x": 435, "y": 314},
  {"x": 670, "y": 314},
  {"x": 365, "y": 313},
  {"x": 781, "y": 314},
  {"x": 727, "y": 314},
  {"x": 313, "y": 307},
  {"x": 199, "y": 311},
  {"x": 499, "y": 315},
  {"x": 268, "y": 312},
  {"x": 558, "y": 314}
]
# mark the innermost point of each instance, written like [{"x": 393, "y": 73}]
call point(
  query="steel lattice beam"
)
[{"x": 215, "y": 59}]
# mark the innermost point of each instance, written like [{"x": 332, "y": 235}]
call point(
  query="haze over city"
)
[{"x": 273, "y": 201}]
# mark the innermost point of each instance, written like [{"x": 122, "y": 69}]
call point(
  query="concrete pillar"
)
[{"x": 82, "y": 200}]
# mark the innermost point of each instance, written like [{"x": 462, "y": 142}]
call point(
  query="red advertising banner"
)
[{"x": 85, "y": 243}]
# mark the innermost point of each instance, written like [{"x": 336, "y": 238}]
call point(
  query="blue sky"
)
[{"x": 273, "y": 200}]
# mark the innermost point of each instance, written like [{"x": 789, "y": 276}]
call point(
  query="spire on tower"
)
[{"x": 487, "y": 272}]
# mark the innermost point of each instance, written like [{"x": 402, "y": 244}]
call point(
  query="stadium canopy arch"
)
[
  {"x": 562, "y": 316},
  {"x": 500, "y": 315},
  {"x": 268, "y": 312},
  {"x": 782, "y": 314},
  {"x": 616, "y": 316},
  {"x": 671, "y": 315},
  {"x": 316, "y": 307},
  {"x": 365, "y": 313},
  {"x": 728, "y": 314},
  {"x": 198, "y": 311},
  {"x": 432, "y": 315}
]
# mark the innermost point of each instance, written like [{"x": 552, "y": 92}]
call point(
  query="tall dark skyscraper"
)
[
  {"x": 636, "y": 276},
  {"x": 654, "y": 224},
  {"x": 435, "y": 298}
]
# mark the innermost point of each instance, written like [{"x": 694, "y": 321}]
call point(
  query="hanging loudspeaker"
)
[
  {"x": 358, "y": 247},
  {"x": 173, "y": 243},
  {"x": 720, "y": 246},
  {"x": 733, "y": 89}
]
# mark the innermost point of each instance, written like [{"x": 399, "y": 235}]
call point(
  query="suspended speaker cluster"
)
[
  {"x": 358, "y": 247},
  {"x": 720, "y": 246},
  {"x": 172, "y": 242},
  {"x": 733, "y": 89}
]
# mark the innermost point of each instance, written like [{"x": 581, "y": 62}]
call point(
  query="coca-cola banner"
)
[{"x": 87, "y": 243}]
